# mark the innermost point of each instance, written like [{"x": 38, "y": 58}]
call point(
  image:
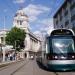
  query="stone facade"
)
[
  {"x": 32, "y": 43},
  {"x": 65, "y": 16}
]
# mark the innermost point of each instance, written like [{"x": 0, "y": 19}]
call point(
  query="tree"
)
[{"x": 16, "y": 37}]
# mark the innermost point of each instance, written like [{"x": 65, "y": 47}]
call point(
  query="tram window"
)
[
  {"x": 61, "y": 32},
  {"x": 63, "y": 45}
]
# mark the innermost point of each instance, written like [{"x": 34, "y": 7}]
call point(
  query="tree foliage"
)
[{"x": 16, "y": 38}]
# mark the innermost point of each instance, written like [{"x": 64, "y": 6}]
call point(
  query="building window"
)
[
  {"x": 66, "y": 13},
  {"x": 72, "y": 6},
  {"x": 73, "y": 23},
  {"x": 65, "y": 7},
  {"x": 2, "y": 39},
  {"x": 56, "y": 22},
  {"x": 61, "y": 26},
  {"x": 21, "y": 22},
  {"x": 17, "y": 21},
  {"x": 60, "y": 14},
  {"x": 60, "y": 17},
  {"x": 66, "y": 23},
  {"x": 72, "y": 18},
  {"x": 73, "y": 12},
  {"x": 72, "y": 2}
]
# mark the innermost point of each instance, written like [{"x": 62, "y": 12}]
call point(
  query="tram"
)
[{"x": 60, "y": 51}]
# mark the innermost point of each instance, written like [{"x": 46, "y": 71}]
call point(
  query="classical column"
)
[
  {"x": 27, "y": 44},
  {"x": 4, "y": 55},
  {"x": 27, "y": 54}
]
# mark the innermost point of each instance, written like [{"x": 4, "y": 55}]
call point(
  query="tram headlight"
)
[
  {"x": 55, "y": 57},
  {"x": 73, "y": 56}
]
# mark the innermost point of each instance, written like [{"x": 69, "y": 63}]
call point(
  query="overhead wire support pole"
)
[
  {"x": 4, "y": 41},
  {"x": 4, "y": 30},
  {"x": 16, "y": 47}
]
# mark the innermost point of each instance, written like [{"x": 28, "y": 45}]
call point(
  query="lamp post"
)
[
  {"x": 4, "y": 42},
  {"x": 4, "y": 21},
  {"x": 15, "y": 47}
]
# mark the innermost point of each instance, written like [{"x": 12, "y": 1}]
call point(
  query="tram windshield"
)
[{"x": 63, "y": 45}]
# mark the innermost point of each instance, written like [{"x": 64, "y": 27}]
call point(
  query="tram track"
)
[
  {"x": 17, "y": 70},
  {"x": 6, "y": 65},
  {"x": 31, "y": 68},
  {"x": 55, "y": 73},
  {"x": 59, "y": 73}
]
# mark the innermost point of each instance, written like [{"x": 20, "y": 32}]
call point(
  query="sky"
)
[{"x": 40, "y": 13}]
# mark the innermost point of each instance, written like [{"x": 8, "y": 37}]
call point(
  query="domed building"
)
[
  {"x": 32, "y": 43},
  {"x": 21, "y": 20}
]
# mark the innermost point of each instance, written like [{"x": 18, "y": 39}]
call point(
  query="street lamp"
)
[
  {"x": 4, "y": 41},
  {"x": 15, "y": 47},
  {"x": 4, "y": 21}
]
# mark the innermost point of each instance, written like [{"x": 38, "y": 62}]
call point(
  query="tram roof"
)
[{"x": 62, "y": 32}]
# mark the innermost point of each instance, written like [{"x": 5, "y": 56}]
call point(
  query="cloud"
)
[
  {"x": 32, "y": 18},
  {"x": 18, "y": 1},
  {"x": 47, "y": 21},
  {"x": 47, "y": 24},
  {"x": 33, "y": 11},
  {"x": 5, "y": 10},
  {"x": 38, "y": 34}
]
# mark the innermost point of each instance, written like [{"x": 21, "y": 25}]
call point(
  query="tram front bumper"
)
[{"x": 59, "y": 67}]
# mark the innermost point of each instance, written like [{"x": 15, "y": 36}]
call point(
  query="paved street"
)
[
  {"x": 8, "y": 70},
  {"x": 32, "y": 69},
  {"x": 28, "y": 67}
]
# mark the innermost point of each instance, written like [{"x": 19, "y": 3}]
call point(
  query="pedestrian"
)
[{"x": 10, "y": 57}]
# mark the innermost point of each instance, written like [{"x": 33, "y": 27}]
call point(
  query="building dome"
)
[
  {"x": 21, "y": 19},
  {"x": 21, "y": 13}
]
